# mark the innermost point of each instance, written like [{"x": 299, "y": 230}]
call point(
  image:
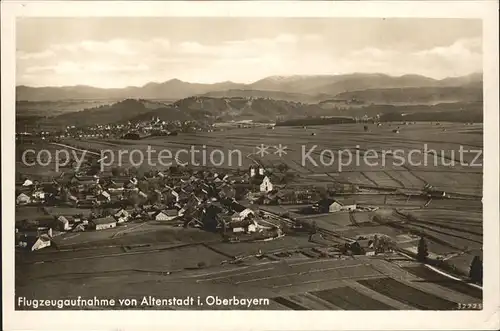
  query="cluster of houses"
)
[
  {"x": 182, "y": 196},
  {"x": 86, "y": 191},
  {"x": 155, "y": 126}
]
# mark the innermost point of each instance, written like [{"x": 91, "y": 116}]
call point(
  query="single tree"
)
[
  {"x": 422, "y": 250},
  {"x": 476, "y": 270}
]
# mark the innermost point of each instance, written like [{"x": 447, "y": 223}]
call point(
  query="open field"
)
[
  {"x": 149, "y": 257},
  {"x": 134, "y": 233},
  {"x": 429, "y": 276},
  {"x": 337, "y": 137},
  {"x": 301, "y": 285},
  {"x": 408, "y": 295}
]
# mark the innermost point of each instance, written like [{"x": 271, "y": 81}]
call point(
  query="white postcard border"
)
[{"x": 263, "y": 320}]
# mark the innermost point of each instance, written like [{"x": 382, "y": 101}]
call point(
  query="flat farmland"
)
[
  {"x": 352, "y": 177},
  {"x": 406, "y": 179},
  {"x": 140, "y": 257},
  {"x": 382, "y": 178},
  {"x": 330, "y": 221},
  {"x": 362, "y": 218},
  {"x": 134, "y": 233},
  {"x": 287, "y": 243},
  {"x": 369, "y": 230},
  {"x": 474, "y": 206},
  {"x": 409, "y": 295},
  {"x": 162, "y": 261},
  {"x": 349, "y": 284},
  {"x": 348, "y": 298},
  {"x": 298, "y": 140},
  {"x": 40, "y": 162},
  {"x": 400, "y": 201},
  {"x": 451, "y": 218},
  {"x": 428, "y": 275},
  {"x": 454, "y": 181},
  {"x": 457, "y": 234}
]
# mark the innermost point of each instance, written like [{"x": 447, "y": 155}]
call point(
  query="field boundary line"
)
[
  {"x": 394, "y": 179},
  {"x": 440, "y": 271},
  {"x": 369, "y": 179}
]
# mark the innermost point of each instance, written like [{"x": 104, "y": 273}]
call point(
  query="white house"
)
[
  {"x": 239, "y": 229},
  {"x": 122, "y": 213},
  {"x": 23, "y": 199},
  {"x": 39, "y": 195},
  {"x": 266, "y": 185},
  {"x": 176, "y": 195},
  {"x": 42, "y": 242},
  {"x": 252, "y": 227},
  {"x": 27, "y": 182},
  {"x": 63, "y": 223},
  {"x": 336, "y": 206},
  {"x": 240, "y": 216},
  {"x": 167, "y": 215}
]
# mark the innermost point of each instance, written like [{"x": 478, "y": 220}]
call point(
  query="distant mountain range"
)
[
  {"x": 310, "y": 89},
  {"x": 268, "y": 99}
]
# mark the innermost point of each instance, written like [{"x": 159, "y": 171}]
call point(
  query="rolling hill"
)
[
  {"x": 415, "y": 95},
  {"x": 118, "y": 112},
  {"x": 277, "y": 95},
  {"x": 300, "y": 85},
  {"x": 203, "y": 109},
  {"x": 210, "y": 110}
]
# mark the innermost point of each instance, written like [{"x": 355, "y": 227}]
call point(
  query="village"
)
[
  {"x": 179, "y": 197},
  {"x": 131, "y": 130},
  {"x": 231, "y": 202}
]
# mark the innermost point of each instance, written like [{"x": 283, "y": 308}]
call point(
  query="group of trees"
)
[{"x": 476, "y": 266}]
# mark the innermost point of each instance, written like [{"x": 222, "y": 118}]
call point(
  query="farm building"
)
[
  {"x": 103, "y": 223},
  {"x": 333, "y": 206},
  {"x": 33, "y": 240},
  {"x": 42, "y": 242},
  {"x": 240, "y": 212},
  {"x": 166, "y": 215},
  {"x": 23, "y": 199},
  {"x": 63, "y": 223},
  {"x": 242, "y": 215}
]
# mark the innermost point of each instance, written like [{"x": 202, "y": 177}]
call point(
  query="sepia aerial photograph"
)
[{"x": 248, "y": 163}]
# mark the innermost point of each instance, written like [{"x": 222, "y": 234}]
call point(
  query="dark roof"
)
[
  {"x": 237, "y": 207},
  {"x": 171, "y": 212},
  {"x": 104, "y": 220},
  {"x": 325, "y": 202}
]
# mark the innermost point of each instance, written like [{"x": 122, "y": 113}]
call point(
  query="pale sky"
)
[{"x": 118, "y": 52}]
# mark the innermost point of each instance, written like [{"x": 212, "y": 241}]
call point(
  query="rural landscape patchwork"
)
[{"x": 342, "y": 189}]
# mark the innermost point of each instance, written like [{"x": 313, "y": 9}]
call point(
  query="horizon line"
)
[{"x": 253, "y": 82}]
